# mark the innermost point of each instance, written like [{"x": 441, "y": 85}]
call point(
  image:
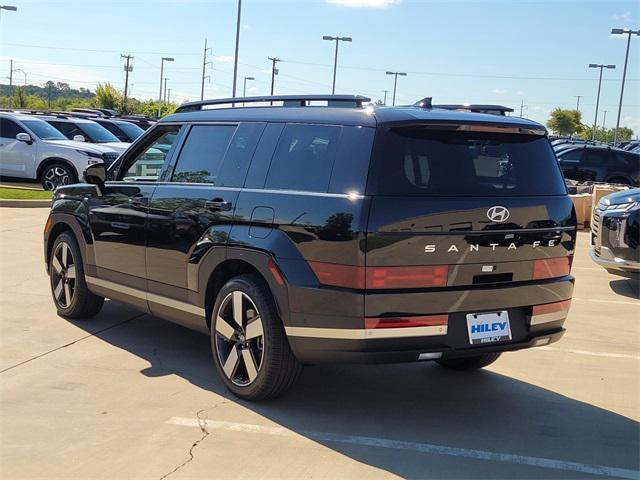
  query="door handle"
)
[{"x": 217, "y": 205}]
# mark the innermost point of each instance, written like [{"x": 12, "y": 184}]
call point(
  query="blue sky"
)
[{"x": 503, "y": 51}]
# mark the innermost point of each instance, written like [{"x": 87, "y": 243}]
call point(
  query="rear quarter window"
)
[{"x": 414, "y": 161}]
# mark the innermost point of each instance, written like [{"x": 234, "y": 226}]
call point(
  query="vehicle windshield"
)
[
  {"x": 97, "y": 133},
  {"x": 132, "y": 131},
  {"x": 43, "y": 130},
  {"x": 414, "y": 161}
]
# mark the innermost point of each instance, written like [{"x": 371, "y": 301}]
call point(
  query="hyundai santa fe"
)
[{"x": 308, "y": 229}]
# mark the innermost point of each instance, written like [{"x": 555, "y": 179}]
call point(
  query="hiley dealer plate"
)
[{"x": 488, "y": 327}]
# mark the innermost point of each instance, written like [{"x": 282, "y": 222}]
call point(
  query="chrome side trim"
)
[
  {"x": 364, "y": 334},
  {"x": 548, "y": 317},
  {"x": 150, "y": 297},
  {"x": 132, "y": 292}
]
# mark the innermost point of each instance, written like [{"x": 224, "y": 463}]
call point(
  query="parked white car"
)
[
  {"x": 83, "y": 130},
  {"x": 30, "y": 148}
]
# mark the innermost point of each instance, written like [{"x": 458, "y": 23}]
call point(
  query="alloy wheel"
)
[
  {"x": 56, "y": 176},
  {"x": 239, "y": 338},
  {"x": 63, "y": 275}
]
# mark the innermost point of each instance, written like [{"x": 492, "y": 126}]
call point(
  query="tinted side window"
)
[
  {"x": 9, "y": 128},
  {"x": 202, "y": 154},
  {"x": 572, "y": 156},
  {"x": 236, "y": 163},
  {"x": 69, "y": 130},
  {"x": 595, "y": 157},
  {"x": 115, "y": 130},
  {"x": 148, "y": 162},
  {"x": 304, "y": 158}
]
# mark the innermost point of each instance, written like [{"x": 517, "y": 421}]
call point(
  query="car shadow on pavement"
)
[
  {"x": 418, "y": 402},
  {"x": 626, "y": 287}
]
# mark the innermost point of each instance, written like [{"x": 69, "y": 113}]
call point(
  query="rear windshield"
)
[{"x": 414, "y": 161}]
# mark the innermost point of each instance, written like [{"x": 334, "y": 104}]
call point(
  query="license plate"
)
[{"x": 488, "y": 327}]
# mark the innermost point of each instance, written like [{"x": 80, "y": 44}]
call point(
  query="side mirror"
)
[
  {"x": 96, "y": 175},
  {"x": 79, "y": 138},
  {"x": 24, "y": 137}
]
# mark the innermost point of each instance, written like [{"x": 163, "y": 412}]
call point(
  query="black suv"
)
[
  {"x": 592, "y": 163},
  {"x": 300, "y": 230}
]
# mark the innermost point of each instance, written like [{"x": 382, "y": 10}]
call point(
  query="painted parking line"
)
[
  {"x": 591, "y": 353},
  {"x": 410, "y": 446}
]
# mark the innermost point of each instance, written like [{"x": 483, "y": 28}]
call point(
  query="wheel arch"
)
[
  {"x": 245, "y": 261},
  {"x": 65, "y": 223},
  {"x": 49, "y": 160}
]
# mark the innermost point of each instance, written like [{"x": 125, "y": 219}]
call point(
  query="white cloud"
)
[
  {"x": 498, "y": 91},
  {"x": 519, "y": 92},
  {"x": 246, "y": 27},
  {"x": 622, "y": 17},
  {"x": 224, "y": 58},
  {"x": 364, "y": 3}
]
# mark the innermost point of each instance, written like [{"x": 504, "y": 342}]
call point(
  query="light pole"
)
[
  {"x": 164, "y": 59},
  {"x": 244, "y": 88},
  {"x": 384, "y": 102},
  {"x": 620, "y": 31},
  {"x": 604, "y": 120},
  {"x": 578, "y": 104},
  {"x": 595, "y": 120},
  {"x": 9, "y": 8},
  {"x": 395, "y": 83},
  {"x": 24, "y": 73},
  {"x": 235, "y": 60},
  {"x": 335, "y": 60},
  {"x": 165, "y": 89}
]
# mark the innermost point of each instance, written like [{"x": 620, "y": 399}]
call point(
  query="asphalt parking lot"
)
[{"x": 126, "y": 395}]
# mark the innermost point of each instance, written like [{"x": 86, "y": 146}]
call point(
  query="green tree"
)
[
  {"x": 19, "y": 98},
  {"x": 606, "y": 135},
  {"x": 107, "y": 97},
  {"x": 565, "y": 122}
]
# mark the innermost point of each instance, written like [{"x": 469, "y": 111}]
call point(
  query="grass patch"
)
[{"x": 23, "y": 194}]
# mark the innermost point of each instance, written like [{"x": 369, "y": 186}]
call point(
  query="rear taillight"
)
[
  {"x": 406, "y": 277},
  {"x": 380, "y": 277},
  {"x": 399, "y": 322},
  {"x": 552, "y": 267}
]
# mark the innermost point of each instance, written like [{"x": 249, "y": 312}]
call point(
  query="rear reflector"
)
[
  {"x": 277, "y": 276},
  {"x": 551, "y": 307},
  {"x": 407, "y": 277},
  {"x": 552, "y": 267},
  {"x": 399, "y": 322},
  {"x": 350, "y": 276}
]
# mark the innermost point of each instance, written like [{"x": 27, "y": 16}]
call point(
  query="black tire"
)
[
  {"x": 469, "y": 363},
  {"x": 619, "y": 181},
  {"x": 56, "y": 174},
  {"x": 254, "y": 360},
  {"x": 66, "y": 276}
]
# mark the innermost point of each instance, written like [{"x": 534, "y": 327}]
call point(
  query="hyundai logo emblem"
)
[{"x": 498, "y": 214}]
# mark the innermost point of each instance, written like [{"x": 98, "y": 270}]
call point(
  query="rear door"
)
[
  {"x": 569, "y": 161},
  {"x": 464, "y": 208},
  {"x": 191, "y": 212}
]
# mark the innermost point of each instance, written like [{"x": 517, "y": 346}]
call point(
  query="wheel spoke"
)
[
  {"x": 67, "y": 294},
  {"x": 57, "y": 266},
  {"x": 57, "y": 291},
  {"x": 65, "y": 255},
  {"x": 249, "y": 364},
  {"x": 254, "y": 329},
  {"x": 237, "y": 308},
  {"x": 223, "y": 328},
  {"x": 231, "y": 363},
  {"x": 71, "y": 272}
]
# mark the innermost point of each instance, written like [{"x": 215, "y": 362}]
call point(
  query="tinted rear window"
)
[{"x": 414, "y": 161}]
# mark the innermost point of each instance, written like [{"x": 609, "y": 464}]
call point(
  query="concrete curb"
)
[{"x": 14, "y": 203}]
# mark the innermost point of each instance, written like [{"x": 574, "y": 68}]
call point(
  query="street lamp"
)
[
  {"x": 595, "y": 120},
  {"x": 165, "y": 89},
  {"x": 235, "y": 58},
  {"x": 24, "y": 73},
  {"x": 335, "y": 60},
  {"x": 9, "y": 8},
  {"x": 395, "y": 83},
  {"x": 164, "y": 59},
  {"x": 244, "y": 88},
  {"x": 620, "y": 31}
]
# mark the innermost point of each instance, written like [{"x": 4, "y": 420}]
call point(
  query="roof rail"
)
[
  {"x": 424, "y": 103},
  {"x": 287, "y": 101}
]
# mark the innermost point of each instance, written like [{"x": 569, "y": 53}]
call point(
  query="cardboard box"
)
[
  {"x": 582, "y": 203},
  {"x": 602, "y": 190}
]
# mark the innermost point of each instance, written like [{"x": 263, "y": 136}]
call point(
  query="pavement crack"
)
[
  {"x": 202, "y": 424},
  {"x": 93, "y": 334}
]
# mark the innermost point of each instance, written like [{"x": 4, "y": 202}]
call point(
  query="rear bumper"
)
[{"x": 326, "y": 338}]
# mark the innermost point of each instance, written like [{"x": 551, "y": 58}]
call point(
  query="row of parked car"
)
[
  {"x": 585, "y": 161},
  {"x": 54, "y": 148}
]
